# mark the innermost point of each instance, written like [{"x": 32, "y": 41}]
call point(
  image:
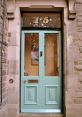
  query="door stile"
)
[
  {"x": 41, "y": 54},
  {"x": 22, "y": 68},
  {"x": 60, "y": 67},
  {"x": 22, "y": 53}
]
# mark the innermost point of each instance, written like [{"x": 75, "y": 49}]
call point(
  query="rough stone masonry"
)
[{"x": 3, "y": 56}]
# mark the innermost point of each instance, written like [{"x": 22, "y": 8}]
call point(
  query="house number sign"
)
[
  {"x": 44, "y": 20},
  {"x": 41, "y": 20}
]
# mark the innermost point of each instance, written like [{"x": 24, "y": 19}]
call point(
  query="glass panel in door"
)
[
  {"x": 31, "y": 55},
  {"x": 51, "y": 55}
]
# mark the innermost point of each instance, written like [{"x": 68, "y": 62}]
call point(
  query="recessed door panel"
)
[
  {"x": 41, "y": 71},
  {"x": 51, "y": 95},
  {"x": 30, "y": 95}
]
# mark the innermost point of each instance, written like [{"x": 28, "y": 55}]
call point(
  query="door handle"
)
[{"x": 41, "y": 53}]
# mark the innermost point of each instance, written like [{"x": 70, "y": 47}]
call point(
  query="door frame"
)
[{"x": 53, "y": 31}]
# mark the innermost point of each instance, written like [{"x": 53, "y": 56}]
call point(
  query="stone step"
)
[{"x": 40, "y": 115}]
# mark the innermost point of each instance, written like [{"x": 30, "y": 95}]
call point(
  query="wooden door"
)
[{"x": 41, "y": 71}]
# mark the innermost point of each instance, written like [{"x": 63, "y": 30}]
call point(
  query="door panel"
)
[
  {"x": 40, "y": 71},
  {"x": 31, "y": 95}
]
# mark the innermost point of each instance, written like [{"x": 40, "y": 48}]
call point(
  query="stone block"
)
[
  {"x": 11, "y": 53},
  {"x": 74, "y": 111},
  {"x": 12, "y": 110},
  {"x": 13, "y": 67},
  {"x": 40, "y": 115},
  {"x": 12, "y": 96},
  {"x": 12, "y": 39}
]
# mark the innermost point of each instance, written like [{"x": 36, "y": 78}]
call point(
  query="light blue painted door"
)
[{"x": 41, "y": 71}]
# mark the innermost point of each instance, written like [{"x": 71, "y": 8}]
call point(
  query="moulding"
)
[
  {"x": 10, "y": 9},
  {"x": 71, "y": 9},
  {"x": 10, "y": 15},
  {"x": 70, "y": 5}
]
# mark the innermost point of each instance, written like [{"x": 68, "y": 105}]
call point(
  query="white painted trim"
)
[{"x": 41, "y": 110}]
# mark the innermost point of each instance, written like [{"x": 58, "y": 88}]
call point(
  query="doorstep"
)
[{"x": 39, "y": 115}]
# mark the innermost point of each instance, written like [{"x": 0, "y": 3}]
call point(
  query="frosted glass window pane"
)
[
  {"x": 51, "y": 55},
  {"x": 31, "y": 58}
]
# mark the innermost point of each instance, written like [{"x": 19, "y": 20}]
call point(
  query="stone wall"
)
[
  {"x": 74, "y": 64},
  {"x": 3, "y": 60}
]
